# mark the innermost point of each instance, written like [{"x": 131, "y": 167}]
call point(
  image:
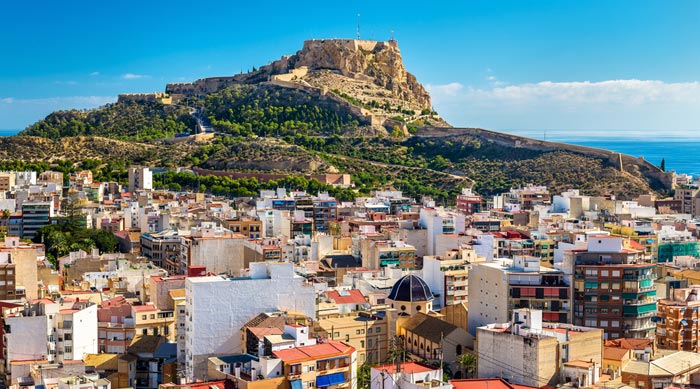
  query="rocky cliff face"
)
[
  {"x": 356, "y": 63},
  {"x": 376, "y": 62}
]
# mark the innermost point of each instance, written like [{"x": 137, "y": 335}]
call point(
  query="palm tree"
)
[{"x": 467, "y": 361}]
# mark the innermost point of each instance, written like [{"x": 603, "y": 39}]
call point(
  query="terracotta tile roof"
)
[
  {"x": 482, "y": 383},
  {"x": 410, "y": 367},
  {"x": 260, "y": 332},
  {"x": 144, "y": 308},
  {"x": 314, "y": 352},
  {"x": 353, "y": 296},
  {"x": 630, "y": 343},
  {"x": 614, "y": 353}
]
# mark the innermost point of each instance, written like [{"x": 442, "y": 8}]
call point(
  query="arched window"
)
[
  {"x": 415, "y": 343},
  {"x": 459, "y": 349},
  {"x": 403, "y": 307}
]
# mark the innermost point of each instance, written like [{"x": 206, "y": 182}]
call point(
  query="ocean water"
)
[{"x": 678, "y": 148}]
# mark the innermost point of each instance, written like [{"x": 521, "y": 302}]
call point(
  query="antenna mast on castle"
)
[{"x": 358, "y": 27}]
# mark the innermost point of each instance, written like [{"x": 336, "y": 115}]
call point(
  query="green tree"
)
[
  {"x": 663, "y": 165},
  {"x": 467, "y": 362},
  {"x": 396, "y": 132}
]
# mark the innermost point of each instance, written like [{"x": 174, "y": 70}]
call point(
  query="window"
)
[
  {"x": 144, "y": 331},
  {"x": 362, "y": 344},
  {"x": 336, "y": 335},
  {"x": 153, "y": 316},
  {"x": 143, "y": 317},
  {"x": 378, "y": 330}
]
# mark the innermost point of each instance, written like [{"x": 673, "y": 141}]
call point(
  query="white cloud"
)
[
  {"x": 451, "y": 89},
  {"x": 69, "y": 82},
  {"x": 578, "y": 104},
  {"x": 132, "y": 76},
  {"x": 93, "y": 74},
  {"x": 7, "y": 100}
]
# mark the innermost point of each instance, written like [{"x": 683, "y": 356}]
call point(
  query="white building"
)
[
  {"x": 47, "y": 330},
  {"x": 495, "y": 288},
  {"x": 140, "y": 178},
  {"x": 439, "y": 221},
  {"x": 218, "y": 306},
  {"x": 411, "y": 376},
  {"x": 219, "y": 249}
]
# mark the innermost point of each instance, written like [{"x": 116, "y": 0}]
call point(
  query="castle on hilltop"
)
[{"x": 287, "y": 68}]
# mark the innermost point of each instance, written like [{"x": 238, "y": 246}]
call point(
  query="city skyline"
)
[{"x": 498, "y": 65}]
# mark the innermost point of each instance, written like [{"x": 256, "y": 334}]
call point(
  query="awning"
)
[
  {"x": 331, "y": 379},
  {"x": 296, "y": 384}
]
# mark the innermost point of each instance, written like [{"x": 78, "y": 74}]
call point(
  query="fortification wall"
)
[
  {"x": 160, "y": 97},
  {"x": 658, "y": 178},
  {"x": 365, "y": 117},
  {"x": 336, "y": 179}
]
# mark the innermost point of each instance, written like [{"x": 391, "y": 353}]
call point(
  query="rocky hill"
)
[
  {"x": 336, "y": 106},
  {"x": 370, "y": 74}
]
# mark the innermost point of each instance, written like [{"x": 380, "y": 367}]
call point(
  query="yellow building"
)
[
  {"x": 366, "y": 333},
  {"x": 648, "y": 242},
  {"x": 320, "y": 365},
  {"x": 149, "y": 320}
]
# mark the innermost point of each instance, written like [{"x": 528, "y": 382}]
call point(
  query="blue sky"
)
[{"x": 494, "y": 64}]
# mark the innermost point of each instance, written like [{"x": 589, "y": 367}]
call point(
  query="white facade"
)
[
  {"x": 438, "y": 221},
  {"x": 140, "y": 178},
  {"x": 52, "y": 331},
  {"x": 412, "y": 376},
  {"x": 80, "y": 336},
  {"x": 215, "y": 247},
  {"x": 217, "y": 307}
]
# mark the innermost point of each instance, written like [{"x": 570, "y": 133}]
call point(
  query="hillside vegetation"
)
[
  {"x": 274, "y": 111},
  {"x": 125, "y": 120},
  {"x": 317, "y": 120}
]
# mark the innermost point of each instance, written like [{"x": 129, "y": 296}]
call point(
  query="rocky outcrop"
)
[
  {"x": 374, "y": 62},
  {"x": 378, "y": 62}
]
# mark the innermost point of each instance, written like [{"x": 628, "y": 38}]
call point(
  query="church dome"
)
[{"x": 410, "y": 288}]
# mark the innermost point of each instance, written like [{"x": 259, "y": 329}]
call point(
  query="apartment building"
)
[
  {"x": 35, "y": 214},
  {"x": 20, "y": 263},
  {"x": 218, "y": 249},
  {"x": 468, "y": 202},
  {"x": 677, "y": 320},
  {"x": 365, "y": 332},
  {"x": 621, "y": 299},
  {"x": 329, "y": 364},
  {"x": 448, "y": 276},
  {"x": 529, "y": 352},
  {"x": 161, "y": 248},
  {"x": 115, "y": 324},
  {"x": 498, "y": 288},
  {"x": 51, "y": 331},
  {"x": 218, "y": 306},
  {"x": 140, "y": 178},
  {"x": 381, "y": 253}
]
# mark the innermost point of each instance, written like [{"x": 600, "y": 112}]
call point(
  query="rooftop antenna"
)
[
  {"x": 358, "y": 27},
  {"x": 392, "y": 35}
]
